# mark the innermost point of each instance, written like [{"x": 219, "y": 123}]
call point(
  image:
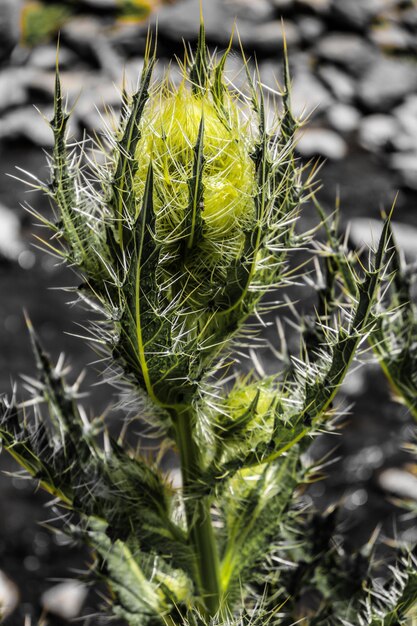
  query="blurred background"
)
[{"x": 354, "y": 70}]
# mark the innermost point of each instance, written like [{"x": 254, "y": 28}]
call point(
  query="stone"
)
[
  {"x": 318, "y": 6},
  {"x": 343, "y": 117},
  {"x": 386, "y": 83},
  {"x": 340, "y": 84},
  {"x": 11, "y": 244},
  {"x": 9, "y": 596},
  {"x": 283, "y": 5},
  {"x": 347, "y": 50},
  {"x": 128, "y": 38},
  {"x": 356, "y": 14},
  {"x": 40, "y": 84},
  {"x": 308, "y": 95},
  {"x": 409, "y": 18},
  {"x": 181, "y": 20},
  {"x": 406, "y": 115},
  {"x": 101, "y": 5},
  {"x": 65, "y": 600},
  {"x": 399, "y": 482},
  {"x": 406, "y": 164},
  {"x": 259, "y": 11},
  {"x": 235, "y": 74},
  {"x": 84, "y": 34},
  {"x": 26, "y": 123},
  {"x": 93, "y": 102},
  {"x": 9, "y": 26},
  {"x": 11, "y": 97},
  {"x": 365, "y": 232},
  {"x": 268, "y": 37},
  {"x": 310, "y": 28},
  {"x": 391, "y": 38},
  {"x": 271, "y": 73},
  {"x": 44, "y": 57},
  {"x": 321, "y": 142},
  {"x": 377, "y": 131}
]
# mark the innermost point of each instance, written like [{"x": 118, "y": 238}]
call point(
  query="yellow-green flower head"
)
[
  {"x": 262, "y": 397},
  {"x": 170, "y": 130},
  {"x": 249, "y": 411}
]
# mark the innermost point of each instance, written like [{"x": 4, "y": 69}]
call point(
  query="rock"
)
[
  {"x": 9, "y": 26},
  {"x": 350, "y": 51},
  {"x": 340, "y": 84},
  {"x": 268, "y": 37},
  {"x": 235, "y": 75},
  {"x": 283, "y": 5},
  {"x": 65, "y": 600},
  {"x": 386, "y": 83},
  {"x": 101, "y": 5},
  {"x": 308, "y": 95},
  {"x": 11, "y": 244},
  {"x": 181, "y": 20},
  {"x": 399, "y": 482},
  {"x": 259, "y": 11},
  {"x": 356, "y": 14},
  {"x": 406, "y": 164},
  {"x": 322, "y": 142},
  {"x": 310, "y": 28},
  {"x": 40, "y": 84},
  {"x": 391, "y": 37},
  {"x": 26, "y": 123},
  {"x": 174, "y": 476},
  {"x": 318, "y": 6},
  {"x": 16, "y": 96},
  {"x": 377, "y": 131},
  {"x": 406, "y": 115},
  {"x": 9, "y": 596},
  {"x": 95, "y": 102},
  {"x": 343, "y": 117},
  {"x": 409, "y": 18},
  {"x": 84, "y": 35},
  {"x": 354, "y": 384},
  {"x": 80, "y": 33},
  {"x": 44, "y": 57},
  {"x": 365, "y": 232},
  {"x": 271, "y": 73},
  {"x": 128, "y": 38}
]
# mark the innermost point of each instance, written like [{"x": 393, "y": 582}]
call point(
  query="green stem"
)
[{"x": 200, "y": 529}]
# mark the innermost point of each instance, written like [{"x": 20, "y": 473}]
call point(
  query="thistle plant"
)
[{"x": 177, "y": 237}]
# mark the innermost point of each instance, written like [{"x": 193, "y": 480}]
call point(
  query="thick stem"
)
[{"x": 200, "y": 529}]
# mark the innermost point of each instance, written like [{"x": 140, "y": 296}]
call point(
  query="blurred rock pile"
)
[{"x": 353, "y": 65}]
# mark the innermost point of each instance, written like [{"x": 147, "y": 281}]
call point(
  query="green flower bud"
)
[
  {"x": 169, "y": 135},
  {"x": 203, "y": 186}
]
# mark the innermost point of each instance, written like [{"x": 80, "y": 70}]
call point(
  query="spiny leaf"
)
[
  {"x": 193, "y": 222},
  {"x": 123, "y": 200},
  {"x": 253, "y": 517},
  {"x": 199, "y": 72},
  {"x": 139, "y": 600},
  {"x": 145, "y": 343}
]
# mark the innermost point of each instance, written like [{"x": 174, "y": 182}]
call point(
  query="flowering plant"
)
[{"x": 189, "y": 222}]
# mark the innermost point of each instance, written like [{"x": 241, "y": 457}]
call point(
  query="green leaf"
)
[
  {"x": 145, "y": 343},
  {"x": 254, "y": 506},
  {"x": 193, "y": 221},
  {"x": 199, "y": 71},
  {"x": 138, "y": 600},
  {"x": 123, "y": 199}
]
